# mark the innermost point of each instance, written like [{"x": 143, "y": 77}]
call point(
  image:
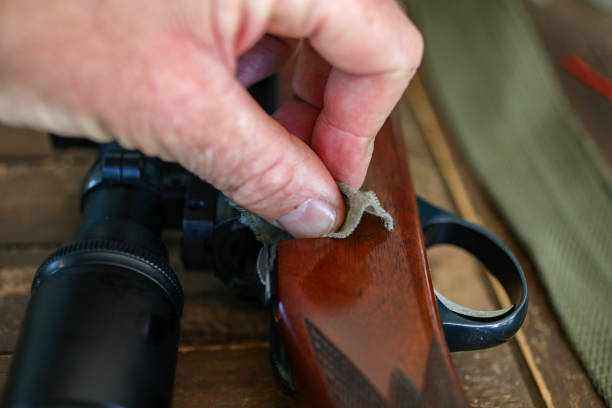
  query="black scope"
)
[{"x": 102, "y": 325}]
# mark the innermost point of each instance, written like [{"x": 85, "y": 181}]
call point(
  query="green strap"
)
[{"x": 502, "y": 102}]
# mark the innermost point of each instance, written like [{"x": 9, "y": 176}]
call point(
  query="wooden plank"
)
[
  {"x": 485, "y": 380},
  {"x": 227, "y": 378},
  {"x": 14, "y": 293},
  {"x": 214, "y": 315},
  {"x": 20, "y": 143},
  {"x": 5, "y": 361},
  {"x": 17, "y": 268},
  {"x": 40, "y": 199},
  {"x": 217, "y": 377}
]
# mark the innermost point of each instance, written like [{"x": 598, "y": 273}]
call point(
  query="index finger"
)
[{"x": 374, "y": 50}]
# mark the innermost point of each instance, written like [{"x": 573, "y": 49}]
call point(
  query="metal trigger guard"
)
[{"x": 464, "y": 328}]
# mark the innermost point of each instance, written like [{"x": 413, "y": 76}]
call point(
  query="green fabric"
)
[{"x": 499, "y": 95}]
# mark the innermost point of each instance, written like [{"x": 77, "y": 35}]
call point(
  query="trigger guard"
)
[{"x": 465, "y": 328}]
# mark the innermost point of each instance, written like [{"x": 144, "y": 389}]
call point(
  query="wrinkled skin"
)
[{"x": 168, "y": 77}]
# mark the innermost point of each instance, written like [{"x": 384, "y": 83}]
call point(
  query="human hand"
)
[{"x": 168, "y": 78}]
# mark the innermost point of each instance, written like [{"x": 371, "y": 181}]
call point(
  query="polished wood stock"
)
[{"x": 358, "y": 316}]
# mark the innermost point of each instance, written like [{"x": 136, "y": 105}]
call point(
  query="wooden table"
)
[{"x": 223, "y": 357}]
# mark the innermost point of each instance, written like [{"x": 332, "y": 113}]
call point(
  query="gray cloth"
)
[
  {"x": 357, "y": 203},
  {"x": 500, "y": 98}
]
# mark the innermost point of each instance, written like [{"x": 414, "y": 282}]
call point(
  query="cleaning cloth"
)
[{"x": 357, "y": 203}]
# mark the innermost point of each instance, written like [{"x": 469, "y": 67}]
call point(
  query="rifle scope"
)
[{"x": 102, "y": 325}]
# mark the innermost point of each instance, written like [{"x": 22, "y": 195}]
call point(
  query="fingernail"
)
[{"x": 314, "y": 218}]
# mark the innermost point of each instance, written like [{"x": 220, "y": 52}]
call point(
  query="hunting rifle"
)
[{"x": 354, "y": 322}]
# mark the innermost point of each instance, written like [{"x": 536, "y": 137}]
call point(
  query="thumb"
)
[{"x": 233, "y": 144}]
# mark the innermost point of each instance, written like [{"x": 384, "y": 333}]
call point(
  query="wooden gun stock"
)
[{"x": 358, "y": 316}]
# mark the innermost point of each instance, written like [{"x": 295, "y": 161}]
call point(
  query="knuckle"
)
[{"x": 265, "y": 189}]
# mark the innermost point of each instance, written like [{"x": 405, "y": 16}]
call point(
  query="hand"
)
[{"x": 168, "y": 78}]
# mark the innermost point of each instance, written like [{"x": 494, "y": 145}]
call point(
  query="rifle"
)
[
  {"x": 360, "y": 321},
  {"x": 354, "y": 322}
]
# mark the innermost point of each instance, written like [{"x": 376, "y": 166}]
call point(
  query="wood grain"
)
[
  {"x": 5, "y": 362},
  {"x": 226, "y": 378},
  {"x": 40, "y": 198},
  {"x": 220, "y": 377},
  {"x": 370, "y": 300},
  {"x": 23, "y": 143}
]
